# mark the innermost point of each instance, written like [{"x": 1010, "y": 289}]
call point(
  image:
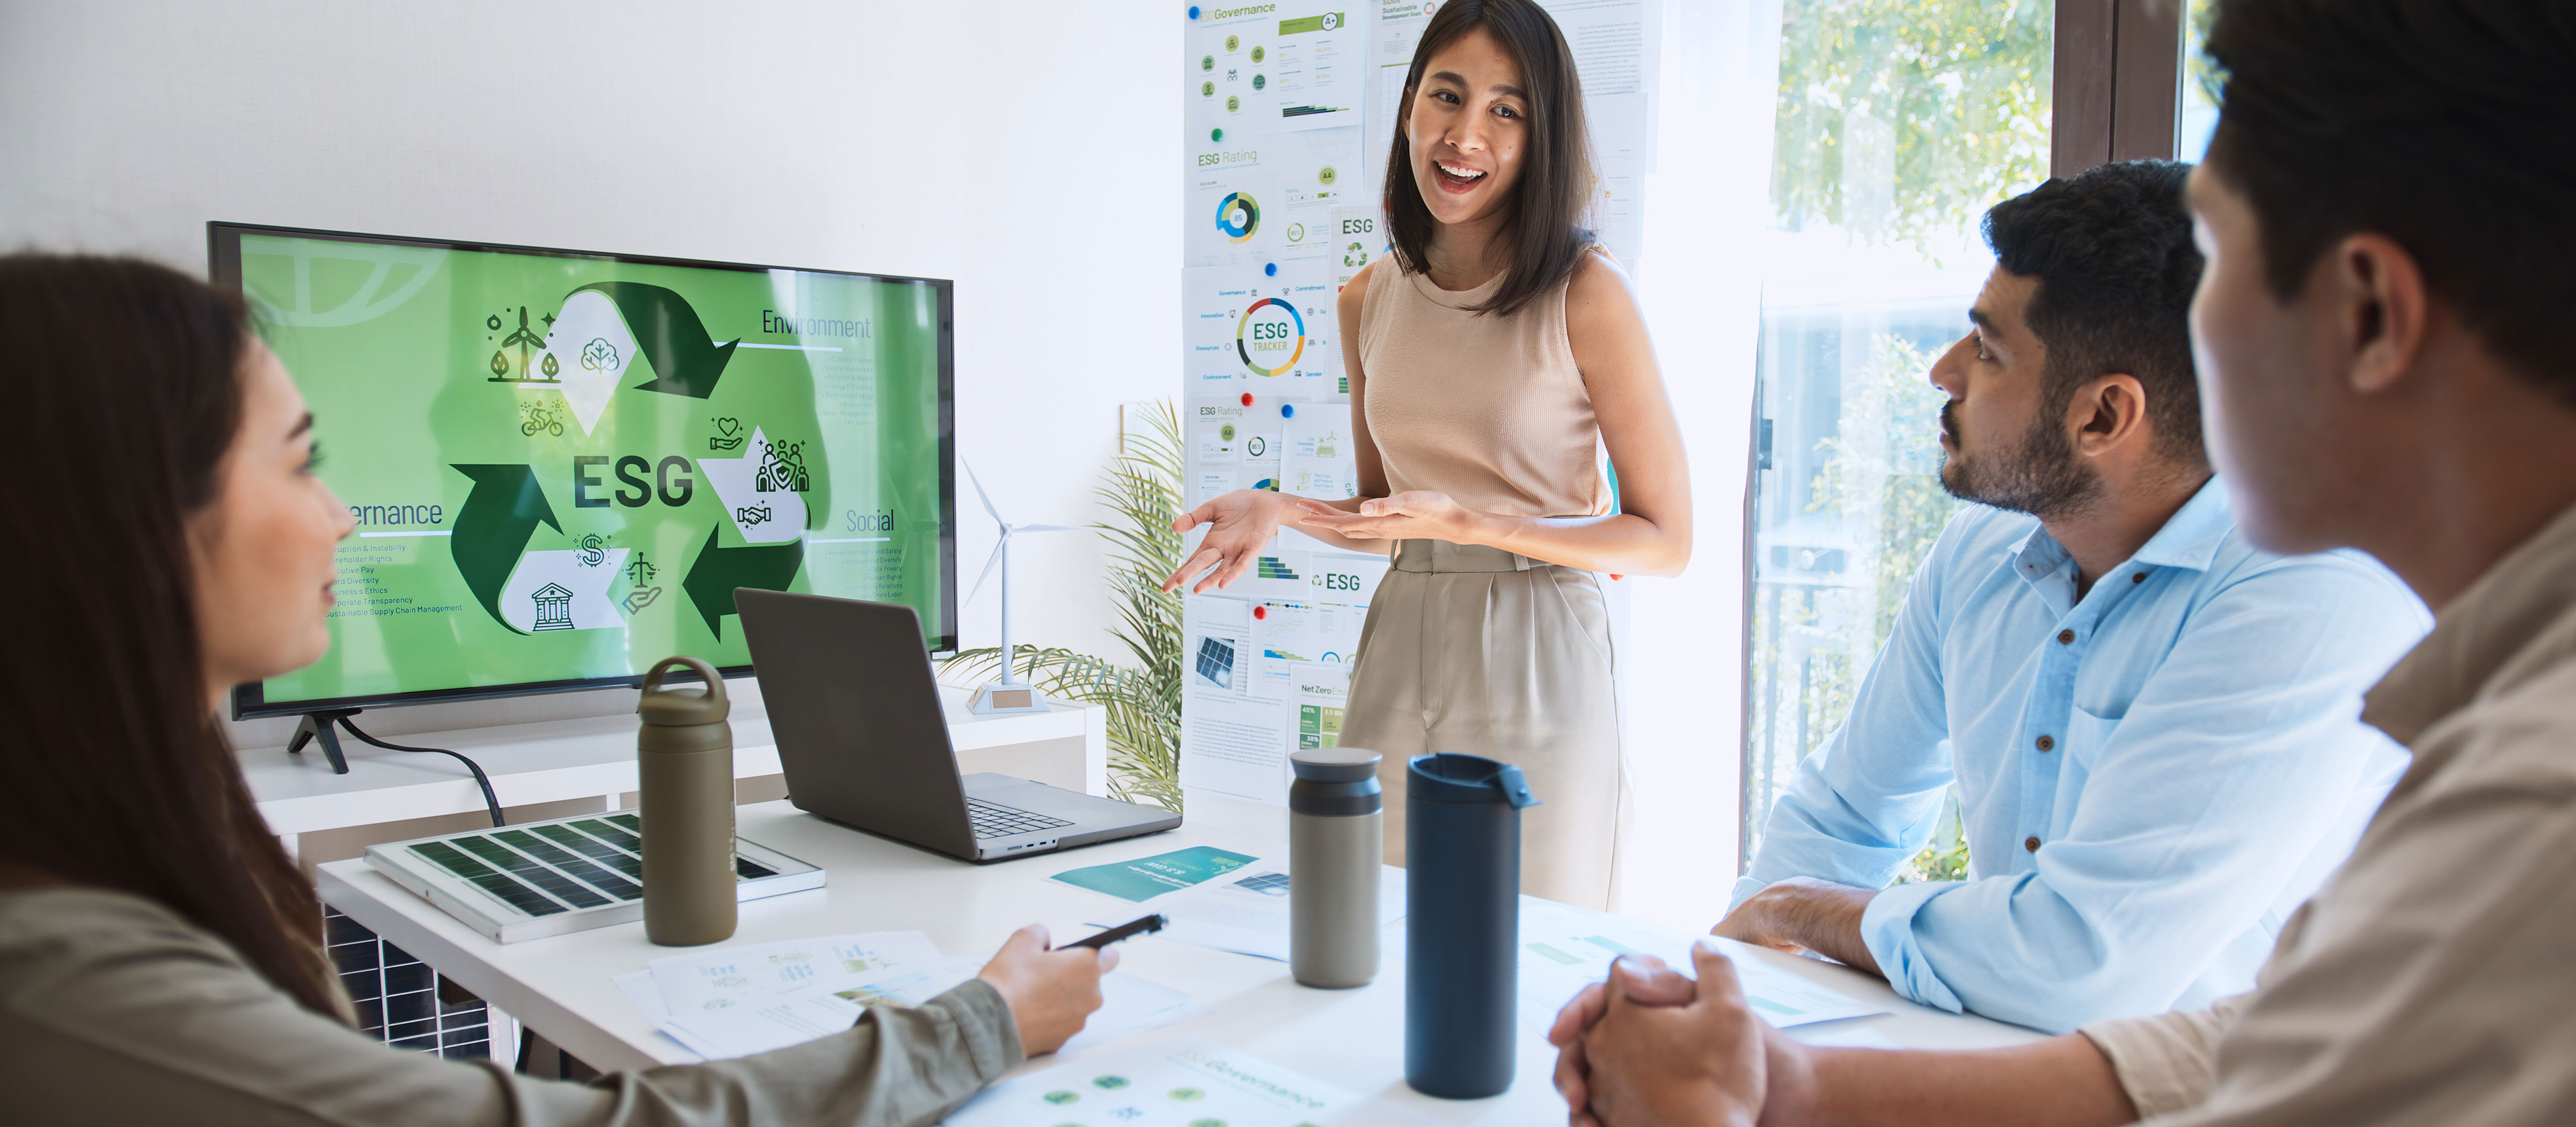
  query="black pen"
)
[{"x": 1122, "y": 931}]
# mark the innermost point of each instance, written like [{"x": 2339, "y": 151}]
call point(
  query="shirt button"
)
[
  {"x": 2047, "y": 744},
  {"x": 2065, "y": 637},
  {"x": 2138, "y": 577},
  {"x": 2030, "y": 844}
]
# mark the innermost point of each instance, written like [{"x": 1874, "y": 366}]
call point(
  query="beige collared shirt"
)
[
  {"x": 114, "y": 1010},
  {"x": 2433, "y": 978}
]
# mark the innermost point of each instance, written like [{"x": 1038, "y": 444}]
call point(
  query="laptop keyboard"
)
[{"x": 992, "y": 819}]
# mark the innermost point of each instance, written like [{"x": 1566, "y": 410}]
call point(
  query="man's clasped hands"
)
[{"x": 1652, "y": 1046}]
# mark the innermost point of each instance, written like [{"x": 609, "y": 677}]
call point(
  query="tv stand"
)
[
  {"x": 322, "y": 726},
  {"x": 564, "y": 760}
]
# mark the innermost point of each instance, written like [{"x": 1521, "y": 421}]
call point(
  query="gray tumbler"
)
[
  {"x": 1336, "y": 835},
  {"x": 684, "y": 761},
  {"x": 1462, "y": 843}
]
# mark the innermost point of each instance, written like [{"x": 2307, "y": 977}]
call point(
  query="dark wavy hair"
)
[
  {"x": 2116, "y": 265},
  {"x": 1547, "y": 234},
  {"x": 128, "y": 380},
  {"x": 2441, "y": 124}
]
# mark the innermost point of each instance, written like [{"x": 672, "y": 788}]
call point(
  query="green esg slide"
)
[{"x": 562, "y": 467}]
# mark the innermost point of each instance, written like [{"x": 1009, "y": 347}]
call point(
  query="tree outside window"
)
[{"x": 1899, "y": 122}]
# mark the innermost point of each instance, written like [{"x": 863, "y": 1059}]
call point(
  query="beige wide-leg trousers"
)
[{"x": 1478, "y": 650}]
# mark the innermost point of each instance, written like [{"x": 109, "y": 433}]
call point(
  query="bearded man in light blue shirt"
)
[{"x": 2153, "y": 725}]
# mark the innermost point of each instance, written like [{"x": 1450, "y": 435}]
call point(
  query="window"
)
[
  {"x": 1898, "y": 123},
  {"x": 2200, "y": 82}
]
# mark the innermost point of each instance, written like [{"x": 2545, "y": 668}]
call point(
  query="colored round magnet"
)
[
  {"x": 1269, "y": 269},
  {"x": 1287, "y": 410},
  {"x": 1247, "y": 399}
]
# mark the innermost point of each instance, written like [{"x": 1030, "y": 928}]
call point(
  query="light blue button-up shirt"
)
[{"x": 2151, "y": 777}]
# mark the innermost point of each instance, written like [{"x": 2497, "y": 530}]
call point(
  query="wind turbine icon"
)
[{"x": 1007, "y": 694}]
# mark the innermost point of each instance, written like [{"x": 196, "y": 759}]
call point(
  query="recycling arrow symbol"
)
[
  {"x": 717, "y": 571},
  {"x": 492, "y": 528},
  {"x": 669, "y": 334}
]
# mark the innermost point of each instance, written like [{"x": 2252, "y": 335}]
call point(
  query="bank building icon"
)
[{"x": 554, "y": 607}]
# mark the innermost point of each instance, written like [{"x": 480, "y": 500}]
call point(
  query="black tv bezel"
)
[{"x": 223, "y": 267}]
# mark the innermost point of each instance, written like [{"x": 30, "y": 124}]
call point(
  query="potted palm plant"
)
[{"x": 1141, "y": 692}]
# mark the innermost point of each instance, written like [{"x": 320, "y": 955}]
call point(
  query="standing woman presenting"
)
[{"x": 1491, "y": 360}]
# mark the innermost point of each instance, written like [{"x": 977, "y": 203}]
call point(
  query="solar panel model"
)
[{"x": 548, "y": 878}]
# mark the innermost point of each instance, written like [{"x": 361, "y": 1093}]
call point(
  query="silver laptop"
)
[{"x": 864, "y": 742}]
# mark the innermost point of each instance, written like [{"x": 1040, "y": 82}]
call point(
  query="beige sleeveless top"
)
[{"x": 1487, "y": 409}]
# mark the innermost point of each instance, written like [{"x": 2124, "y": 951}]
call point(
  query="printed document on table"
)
[
  {"x": 702, "y": 981},
  {"x": 1127, "y": 1005},
  {"x": 1248, "y": 913},
  {"x": 1148, "y": 877},
  {"x": 1178, "y": 1083},
  {"x": 1564, "y": 949}
]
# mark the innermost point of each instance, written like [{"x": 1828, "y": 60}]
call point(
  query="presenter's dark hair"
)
[
  {"x": 128, "y": 381},
  {"x": 1546, "y": 232},
  {"x": 2113, "y": 253},
  {"x": 2445, "y": 125}
]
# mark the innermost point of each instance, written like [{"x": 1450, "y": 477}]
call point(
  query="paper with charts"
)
[
  {"x": 1246, "y": 911},
  {"x": 1564, "y": 949},
  {"x": 1177, "y": 1083},
  {"x": 737, "y": 1001},
  {"x": 755, "y": 974}
]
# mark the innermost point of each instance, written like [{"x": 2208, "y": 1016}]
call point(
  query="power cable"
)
[{"x": 491, "y": 802}]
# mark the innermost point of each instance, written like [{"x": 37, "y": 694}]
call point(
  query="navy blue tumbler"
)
[{"x": 1462, "y": 845}]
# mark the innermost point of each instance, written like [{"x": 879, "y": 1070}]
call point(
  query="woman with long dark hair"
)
[
  {"x": 160, "y": 957},
  {"x": 1492, "y": 360}
]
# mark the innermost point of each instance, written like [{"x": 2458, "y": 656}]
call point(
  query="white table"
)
[
  {"x": 594, "y": 757},
  {"x": 560, "y": 987}
]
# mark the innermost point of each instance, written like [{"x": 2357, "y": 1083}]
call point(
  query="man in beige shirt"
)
[{"x": 2384, "y": 346}]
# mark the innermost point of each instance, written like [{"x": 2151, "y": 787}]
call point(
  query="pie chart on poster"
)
[
  {"x": 1237, "y": 216},
  {"x": 1270, "y": 337}
]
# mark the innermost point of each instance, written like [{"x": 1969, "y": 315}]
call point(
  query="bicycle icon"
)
[{"x": 540, "y": 420}]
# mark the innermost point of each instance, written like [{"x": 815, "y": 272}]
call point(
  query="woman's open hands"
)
[
  {"x": 1240, "y": 523},
  {"x": 1049, "y": 992},
  {"x": 1415, "y": 514}
]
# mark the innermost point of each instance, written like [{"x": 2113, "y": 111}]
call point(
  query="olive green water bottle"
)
[{"x": 684, "y": 759}]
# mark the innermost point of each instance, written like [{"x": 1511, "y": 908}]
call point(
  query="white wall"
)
[{"x": 1023, "y": 149}]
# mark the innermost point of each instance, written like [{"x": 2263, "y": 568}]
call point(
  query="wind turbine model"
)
[{"x": 1008, "y": 694}]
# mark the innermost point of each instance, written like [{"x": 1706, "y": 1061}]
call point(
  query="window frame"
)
[{"x": 2116, "y": 92}]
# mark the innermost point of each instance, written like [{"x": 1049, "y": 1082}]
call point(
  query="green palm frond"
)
[{"x": 1142, "y": 700}]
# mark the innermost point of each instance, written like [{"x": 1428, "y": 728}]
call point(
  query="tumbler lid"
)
[
  {"x": 1335, "y": 764},
  {"x": 666, "y": 707},
  {"x": 1451, "y": 777}
]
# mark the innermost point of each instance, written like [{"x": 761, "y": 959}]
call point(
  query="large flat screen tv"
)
[{"x": 561, "y": 464}]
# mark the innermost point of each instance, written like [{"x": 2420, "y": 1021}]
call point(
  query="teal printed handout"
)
[{"x": 1147, "y": 877}]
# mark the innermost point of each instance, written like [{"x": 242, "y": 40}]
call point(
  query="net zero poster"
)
[
  {"x": 561, "y": 467},
  {"x": 1289, "y": 119}
]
